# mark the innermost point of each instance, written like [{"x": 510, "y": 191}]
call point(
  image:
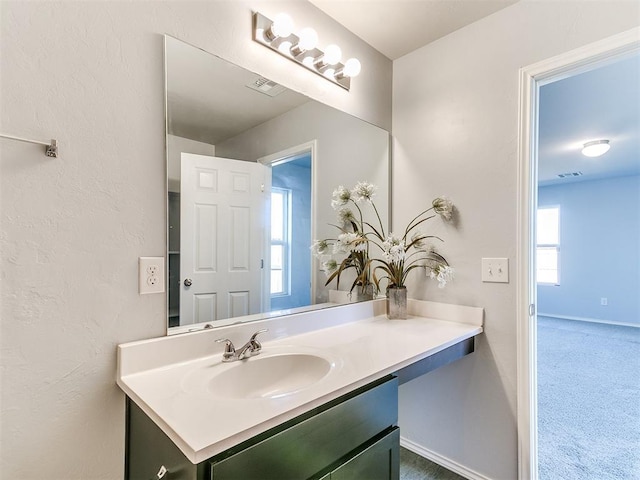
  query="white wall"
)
[
  {"x": 455, "y": 126},
  {"x": 587, "y": 222},
  {"x": 91, "y": 75}
]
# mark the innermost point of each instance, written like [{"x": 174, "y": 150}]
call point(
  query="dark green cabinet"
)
[
  {"x": 378, "y": 461},
  {"x": 352, "y": 437}
]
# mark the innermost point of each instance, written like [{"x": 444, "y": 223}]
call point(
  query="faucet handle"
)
[
  {"x": 229, "y": 349},
  {"x": 255, "y": 344},
  {"x": 264, "y": 330}
]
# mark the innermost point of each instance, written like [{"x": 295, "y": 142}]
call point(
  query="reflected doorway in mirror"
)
[{"x": 292, "y": 174}]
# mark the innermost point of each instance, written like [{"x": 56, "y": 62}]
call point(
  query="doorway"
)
[
  {"x": 587, "y": 274},
  {"x": 291, "y": 227},
  {"x": 551, "y": 252}
]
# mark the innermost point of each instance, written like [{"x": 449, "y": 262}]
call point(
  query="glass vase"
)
[
  {"x": 363, "y": 293},
  {"x": 397, "y": 303}
]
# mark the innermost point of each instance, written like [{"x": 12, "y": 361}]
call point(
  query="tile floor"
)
[{"x": 415, "y": 467}]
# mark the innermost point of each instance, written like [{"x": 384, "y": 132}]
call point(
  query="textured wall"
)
[
  {"x": 455, "y": 126},
  {"x": 91, "y": 75},
  {"x": 599, "y": 250}
]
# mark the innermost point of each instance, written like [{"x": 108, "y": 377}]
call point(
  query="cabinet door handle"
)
[{"x": 162, "y": 472}]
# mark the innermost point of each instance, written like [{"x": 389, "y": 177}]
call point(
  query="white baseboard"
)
[
  {"x": 590, "y": 320},
  {"x": 440, "y": 460}
]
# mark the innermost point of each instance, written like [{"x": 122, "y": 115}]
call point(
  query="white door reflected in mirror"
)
[{"x": 222, "y": 208}]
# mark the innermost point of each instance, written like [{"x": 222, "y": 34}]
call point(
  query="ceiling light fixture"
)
[
  {"x": 302, "y": 48},
  {"x": 595, "y": 148}
]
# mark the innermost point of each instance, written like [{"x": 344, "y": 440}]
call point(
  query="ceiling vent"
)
[
  {"x": 570, "y": 174},
  {"x": 266, "y": 86}
]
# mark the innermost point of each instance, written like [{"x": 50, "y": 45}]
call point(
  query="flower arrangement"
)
[
  {"x": 399, "y": 255},
  {"x": 352, "y": 240},
  {"x": 402, "y": 254}
]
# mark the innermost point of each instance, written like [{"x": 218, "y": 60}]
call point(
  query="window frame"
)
[
  {"x": 548, "y": 246},
  {"x": 285, "y": 243}
]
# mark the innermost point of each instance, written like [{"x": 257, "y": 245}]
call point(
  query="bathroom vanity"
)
[
  {"x": 354, "y": 436},
  {"x": 319, "y": 401}
]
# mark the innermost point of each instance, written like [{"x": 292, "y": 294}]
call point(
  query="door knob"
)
[{"x": 188, "y": 282}]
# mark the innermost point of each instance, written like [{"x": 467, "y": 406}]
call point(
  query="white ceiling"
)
[
  {"x": 397, "y": 27},
  {"x": 601, "y": 104},
  {"x": 210, "y": 99}
]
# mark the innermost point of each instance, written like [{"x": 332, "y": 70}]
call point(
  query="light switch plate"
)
[
  {"x": 495, "y": 270},
  {"x": 150, "y": 275}
]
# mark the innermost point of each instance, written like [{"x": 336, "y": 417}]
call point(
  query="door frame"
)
[
  {"x": 532, "y": 78},
  {"x": 311, "y": 148}
]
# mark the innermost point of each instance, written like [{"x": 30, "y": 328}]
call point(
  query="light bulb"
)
[
  {"x": 282, "y": 26},
  {"x": 351, "y": 68},
  {"x": 332, "y": 54},
  {"x": 595, "y": 148},
  {"x": 284, "y": 47},
  {"x": 308, "y": 39}
]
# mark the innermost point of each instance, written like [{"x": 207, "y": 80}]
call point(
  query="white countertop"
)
[{"x": 152, "y": 372}]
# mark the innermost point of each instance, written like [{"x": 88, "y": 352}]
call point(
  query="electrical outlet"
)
[
  {"x": 604, "y": 301},
  {"x": 152, "y": 269},
  {"x": 151, "y": 275},
  {"x": 495, "y": 270}
]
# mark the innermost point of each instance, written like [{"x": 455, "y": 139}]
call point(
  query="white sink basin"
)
[{"x": 263, "y": 376}]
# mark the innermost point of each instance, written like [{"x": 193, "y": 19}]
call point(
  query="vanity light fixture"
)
[
  {"x": 351, "y": 68},
  {"x": 307, "y": 40},
  {"x": 595, "y": 148},
  {"x": 302, "y": 48},
  {"x": 281, "y": 27}
]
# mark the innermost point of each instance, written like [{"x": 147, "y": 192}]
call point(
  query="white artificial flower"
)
[
  {"x": 320, "y": 247},
  {"x": 349, "y": 242},
  {"x": 359, "y": 244},
  {"x": 418, "y": 241},
  {"x": 393, "y": 249},
  {"x": 340, "y": 197},
  {"x": 345, "y": 215},
  {"x": 442, "y": 273},
  {"x": 363, "y": 191},
  {"x": 329, "y": 267},
  {"x": 443, "y": 207}
]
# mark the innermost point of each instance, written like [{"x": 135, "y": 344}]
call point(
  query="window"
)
[
  {"x": 548, "y": 245},
  {"x": 280, "y": 240}
]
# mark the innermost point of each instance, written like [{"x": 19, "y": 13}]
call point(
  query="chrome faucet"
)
[{"x": 249, "y": 349}]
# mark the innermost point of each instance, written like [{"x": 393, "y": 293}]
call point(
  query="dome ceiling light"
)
[{"x": 595, "y": 148}]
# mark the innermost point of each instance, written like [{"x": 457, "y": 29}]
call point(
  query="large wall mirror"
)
[{"x": 251, "y": 167}]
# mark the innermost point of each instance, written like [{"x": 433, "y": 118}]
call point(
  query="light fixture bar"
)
[{"x": 309, "y": 59}]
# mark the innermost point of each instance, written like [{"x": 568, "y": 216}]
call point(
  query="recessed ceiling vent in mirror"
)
[
  {"x": 571, "y": 174},
  {"x": 266, "y": 86}
]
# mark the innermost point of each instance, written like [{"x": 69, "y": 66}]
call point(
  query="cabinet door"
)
[
  {"x": 313, "y": 444},
  {"x": 381, "y": 461}
]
